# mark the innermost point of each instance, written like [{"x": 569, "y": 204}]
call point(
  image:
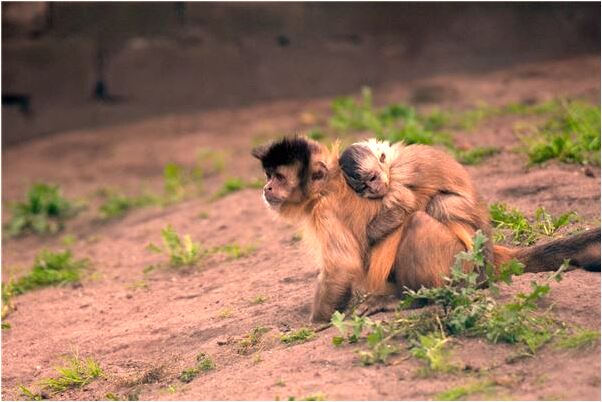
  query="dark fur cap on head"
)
[
  {"x": 285, "y": 152},
  {"x": 350, "y": 165}
]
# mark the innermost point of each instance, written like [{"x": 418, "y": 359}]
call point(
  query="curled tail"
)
[{"x": 583, "y": 250}]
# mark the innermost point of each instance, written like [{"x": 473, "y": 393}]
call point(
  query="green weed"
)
[
  {"x": 571, "y": 136},
  {"x": 44, "y": 211},
  {"x": 301, "y": 335},
  {"x": 474, "y": 156},
  {"x": 432, "y": 349},
  {"x": 182, "y": 251},
  {"x": 204, "y": 363},
  {"x": 393, "y": 122},
  {"x": 209, "y": 162},
  {"x": 77, "y": 373},
  {"x": 522, "y": 231},
  {"x": 462, "y": 306},
  {"x": 457, "y": 393},
  {"x": 225, "y": 312},
  {"x": 49, "y": 268},
  {"x": 316, "y": 134},
  {"x": 30, "y": 395},
  {"x": 234, "y": 184},
  {"x": 314, "y": 397},
  {"x": 252, "y": 339},
  {"x": 580, "y": 339},
  {"x": 117, "y": 205},
  {"x": 173, "y": 182},
  {"x": 259, "y": 299},
  {"x": 234, "y": 251}
]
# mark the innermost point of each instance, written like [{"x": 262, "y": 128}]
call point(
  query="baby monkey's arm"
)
[{"x": 397, "y": 206}]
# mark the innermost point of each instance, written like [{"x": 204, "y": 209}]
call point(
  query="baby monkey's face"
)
[
  {"x": 375, "y": 180},
  {"x": 365, "y": 172}
]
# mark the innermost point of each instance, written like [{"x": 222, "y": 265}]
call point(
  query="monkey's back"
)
[{"x": 428, "y": 168}]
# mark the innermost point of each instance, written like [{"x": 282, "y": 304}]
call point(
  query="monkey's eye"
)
[
  {"x": 280, "y": 177},
  {"x": 372, "y": 178}
]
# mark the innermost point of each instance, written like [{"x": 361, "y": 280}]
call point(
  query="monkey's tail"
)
[{"x": 583, "y": 250}]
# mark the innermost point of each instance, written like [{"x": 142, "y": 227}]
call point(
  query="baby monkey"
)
[{"x": 414, "y": 178}]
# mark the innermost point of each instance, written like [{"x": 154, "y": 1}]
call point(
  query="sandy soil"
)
[{"x": 145, "y": 329}]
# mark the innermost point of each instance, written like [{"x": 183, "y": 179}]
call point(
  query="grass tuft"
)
[
  {"x": 581, "y": 339},
  {"x": 44, "y": 211},
  {"x": 234, "y": 184},
  {"x": 460, "y": 392},
  {"x": 251, "y": 340},
  {"x": 462, "y": 306},
  {"x": 77, "y": 373},
  {"x": 301, "y": 335},
  {"x": 204, "y": 363},
  {"x": 570, "y": 136},
  {"x": 522, "y": 231},
  {"x": 49, "y": 268},
  {"x": 182, "y": 251}
]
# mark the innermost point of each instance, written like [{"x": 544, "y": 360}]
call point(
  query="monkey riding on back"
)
[{"x": 403, "y": 232}]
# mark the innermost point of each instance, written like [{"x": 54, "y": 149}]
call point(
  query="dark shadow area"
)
[{"x": 83, "y": 65}]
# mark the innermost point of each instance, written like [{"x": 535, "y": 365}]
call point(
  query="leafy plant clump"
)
[
  {"x": 117, "y": 205},
  {"x": 456, "y": 393},
  {"x": 251, "y": 340},
  {"x": 49, "y": 268},
  {"x": 579, "y": 339},
  {"x": 522, "y": 231},
  {"x": 397, "y": 122},
  {"x": 301, "y": 335},
  {"x": 234, "y": 184},
  {"x": 462, "y": 306},
  {"x": 204, "y": 363},
  {"x": 44, "y": 211},
  {"x": 77, "y": 373},
  {"x": 571, "y": 136},
  {"x": 182, "y": 251}
]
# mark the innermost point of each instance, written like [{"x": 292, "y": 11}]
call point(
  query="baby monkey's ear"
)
[
  {"x": 260, "y": 151},
  {"x": 319, "y": 171},
  {"x": 382, "y": 157}
]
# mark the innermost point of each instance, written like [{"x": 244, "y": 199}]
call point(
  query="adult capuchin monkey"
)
[{"x": 305, "y": 184}]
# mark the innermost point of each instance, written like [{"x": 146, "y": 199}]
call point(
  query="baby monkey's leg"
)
[{"x": 458, "y": 213}]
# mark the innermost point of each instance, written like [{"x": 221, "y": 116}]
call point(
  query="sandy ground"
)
[{"x": 144, "y": 329}]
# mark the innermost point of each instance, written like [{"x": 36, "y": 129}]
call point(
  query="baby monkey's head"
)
[{"x": 365, "y": 166}]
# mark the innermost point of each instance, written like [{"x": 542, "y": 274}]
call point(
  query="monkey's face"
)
[
  {"x": 293, "y": 170},
  {"x": 282, "y": 186}
]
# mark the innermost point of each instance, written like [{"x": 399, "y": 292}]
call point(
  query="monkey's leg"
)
[
  {"x": 463, "y": 216},
  {"x": 426, "y": 252}
]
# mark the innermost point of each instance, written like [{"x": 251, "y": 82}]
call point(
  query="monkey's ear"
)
[
  {"x": 319, "y": 171},
  {"x": 260, "y": 151}
]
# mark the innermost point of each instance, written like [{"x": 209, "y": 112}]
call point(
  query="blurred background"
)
[{"x": 83, "y": 65}]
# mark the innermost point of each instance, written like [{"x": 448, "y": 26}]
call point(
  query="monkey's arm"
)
[
  {"x": 341, "y": 268},
  {"x": 398, "y": 204}
]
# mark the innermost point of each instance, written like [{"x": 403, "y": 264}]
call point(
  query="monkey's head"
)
[
  {"x": 296, "y": 171},
  {"x": 365, "y": 169}
]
